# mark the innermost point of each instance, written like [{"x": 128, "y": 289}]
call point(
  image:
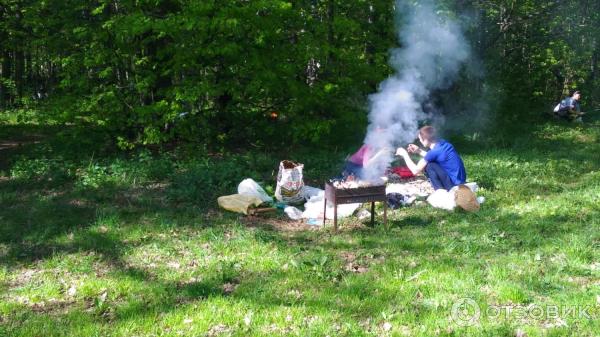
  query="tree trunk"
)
[
  {"x": 19, "y": 70},
  {"x": 6, "y": 74},
  {"x": 594, "y": 64},
  {"x": 330, "y": 31}
]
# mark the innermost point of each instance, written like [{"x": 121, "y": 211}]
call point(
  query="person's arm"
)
[
  {"x": 414, "y": 168},
  {"x": 412, "y": 148},
  {"x": 373, "y": 158}
]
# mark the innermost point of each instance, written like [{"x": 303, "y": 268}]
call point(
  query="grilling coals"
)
[{"x": 352, "y": 182}]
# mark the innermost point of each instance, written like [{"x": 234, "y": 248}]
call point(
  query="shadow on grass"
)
[
  {"x": 351, "y": 295},
  {"x": 37, "y": 216}
]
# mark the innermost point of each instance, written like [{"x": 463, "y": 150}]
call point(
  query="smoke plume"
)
[{"x": 432, "y": 53}]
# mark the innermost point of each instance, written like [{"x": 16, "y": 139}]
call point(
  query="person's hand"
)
[
  {"x": 412, "y": 148},
  {"x": 401, "y": 152}
]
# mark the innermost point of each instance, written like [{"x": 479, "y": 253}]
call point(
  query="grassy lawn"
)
[{"x": 95, "y": 244}]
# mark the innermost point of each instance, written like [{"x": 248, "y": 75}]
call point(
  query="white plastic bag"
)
[
  {"x": 313, "y": 208},
  {"x": 293, "y": 213},
  {"x": 290, "y": 183},
  {"x": 251, "y": 187},
  {"x": 447, "y": 199},
  {"x": 309, "y": 192},
  {"x": 473, "y": 186},
  {"x": 442, "y": 199}
]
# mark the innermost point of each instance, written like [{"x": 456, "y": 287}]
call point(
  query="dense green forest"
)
[
  {"x": 270, "y": 71},
  {"x": 123, "y": 122}
]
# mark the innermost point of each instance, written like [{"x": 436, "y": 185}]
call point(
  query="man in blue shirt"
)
[{"x": 442, "y": 164}]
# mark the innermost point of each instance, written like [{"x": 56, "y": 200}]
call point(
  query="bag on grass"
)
[
  {"x": 251, "y": 187},
  {"x": 238, "y": 203},
  {"x": 290, "y": 183}
]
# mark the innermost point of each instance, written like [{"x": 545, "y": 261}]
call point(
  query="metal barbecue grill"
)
[{"x": 362, "y": 194}]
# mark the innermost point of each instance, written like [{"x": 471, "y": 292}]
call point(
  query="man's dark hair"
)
[
  {"x": 428, "y": 133},
  {"x": 575, "y": 92}
]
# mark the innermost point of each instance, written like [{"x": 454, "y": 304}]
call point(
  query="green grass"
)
[{"x": 97, "y": 244}]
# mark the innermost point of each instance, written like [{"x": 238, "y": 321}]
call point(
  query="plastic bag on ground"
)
[
  {"x": 447, "y": 199},
  {"x": 313, "y": 208},
  {"x": 442, "y": 199},
  {"x": 293, "y": 212},
  {"x": 364, "y": 214},
  {"x": 251, "y": 187},
  {"x": 238, "y": 202},
  {"x": 473, "y": 186},
  {"x": 309, "y": 192}
]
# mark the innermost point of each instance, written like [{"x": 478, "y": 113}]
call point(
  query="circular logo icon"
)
[{"x": 465, "y": 312}]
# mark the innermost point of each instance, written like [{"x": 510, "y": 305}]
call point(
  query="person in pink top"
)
[
  {"x": 364, "y": 157},
  {"x": 361, "y": 157},
  {"x": 356, "y": 162}
]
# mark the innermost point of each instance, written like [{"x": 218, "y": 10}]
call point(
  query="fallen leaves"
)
[
  {"x": 229, "y": 287},
  {"x": 72, "y": 291},
  {"x": 355, "y": 268},
  {"x": 520, "y": 333},
  {"x": 248, "y": 319},
  {"x": 294, "y": 294},
  {"x": 173, "y": 265},
  {"x": 359, "y": 264},
  {"x": 416, "y": 275},
  {"x": 217, "y": 330}
]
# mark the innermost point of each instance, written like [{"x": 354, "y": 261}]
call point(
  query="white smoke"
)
[{"x": 432, "y": 53}]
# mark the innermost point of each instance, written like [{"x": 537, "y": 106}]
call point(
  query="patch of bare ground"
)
[
  {"x": 277, "y": 223},
  {"x": 281, "y": 223},
  {"x": 11, "y": 144},
  {"x": 50, "y": 306},
  {"x": 359, "y": 263}
]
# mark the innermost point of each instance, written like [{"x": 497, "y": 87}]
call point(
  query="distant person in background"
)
[
  {"x": 569, "y": 108},
  {"x": 362, "y": 158},
  {"x": 442, "y": 164}
]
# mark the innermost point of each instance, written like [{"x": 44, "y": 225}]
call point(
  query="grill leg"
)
[
  {"x": 335, "y": 228},
  {"x": 324, "y": 211},
  {"x": 372, "y": 214},
  {"x": 385, "y": 215}
]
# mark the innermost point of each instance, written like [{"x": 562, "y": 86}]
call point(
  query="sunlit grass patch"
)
[{"x": 122, "y": 248}]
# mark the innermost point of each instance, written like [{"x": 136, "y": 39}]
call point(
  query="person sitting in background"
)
[
  {"x": 356, "y": 163},
  {"x": 442, "y": 164},
  {"x": 569, "y": 108}
]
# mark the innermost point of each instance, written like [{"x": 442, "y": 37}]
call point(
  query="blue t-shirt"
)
[{"x": 446, "y": 156}]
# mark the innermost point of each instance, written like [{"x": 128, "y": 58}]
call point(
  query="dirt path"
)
[{"x": 13, "y": 142}]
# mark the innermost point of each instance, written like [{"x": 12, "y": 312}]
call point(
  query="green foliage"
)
[
  {"x": 50, "y": 170},
  {"x": 225, "y": 67},
  {"x": 203, "y": 180},
  {"x": 230, "y": 74}
]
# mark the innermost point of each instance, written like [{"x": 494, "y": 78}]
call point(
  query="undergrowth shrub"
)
[
  {"x": 203, "y": 180},
  {"x": 39, "y": 170}
]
